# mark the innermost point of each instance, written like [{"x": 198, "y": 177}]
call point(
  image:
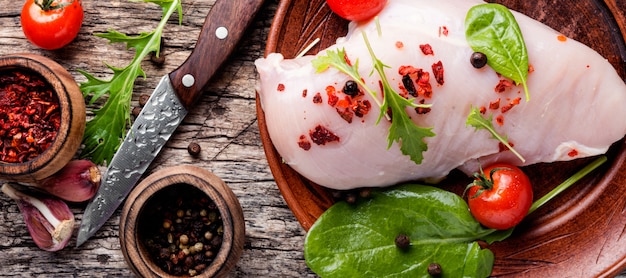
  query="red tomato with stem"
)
[
  {"x": 51, "y": 24},
  {"x": 357, "y": 10},
  {"x": 500, "y": 199}
]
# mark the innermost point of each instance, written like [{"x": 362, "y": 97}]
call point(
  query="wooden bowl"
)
[
  {"x": 73, "y": 116},
  {"x": 580, "y": 233},
  {"x": 184, "y": 177}
]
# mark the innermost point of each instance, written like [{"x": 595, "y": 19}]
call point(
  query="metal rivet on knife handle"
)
[
  {"x": 221, "y": 32},
  {"x": 188, "y": 80}
]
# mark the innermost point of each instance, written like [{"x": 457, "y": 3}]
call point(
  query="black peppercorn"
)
[
  {"x": 351, "y": 88},
  {"x": 403, "y": 241},
  {"x": 194, "y": 149},
  {"x": 434, "y": 269},
  {"x": 143, "y": 99},
  {"x": 478, "y": 59}
]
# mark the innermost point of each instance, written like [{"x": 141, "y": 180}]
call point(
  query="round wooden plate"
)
[{"x": 582, "y": 233}]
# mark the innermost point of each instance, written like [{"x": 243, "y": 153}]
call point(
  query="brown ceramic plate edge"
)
[{"x": 581, "y": 233}]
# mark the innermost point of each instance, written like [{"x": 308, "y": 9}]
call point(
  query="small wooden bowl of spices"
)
[
  {"x": 182, "y": 221},
  {"x": 42, "y": 117}
]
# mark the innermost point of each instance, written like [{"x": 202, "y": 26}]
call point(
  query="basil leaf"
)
[
  {"x": 359, "y": 240},
  {"x": 492, "y": 30}
]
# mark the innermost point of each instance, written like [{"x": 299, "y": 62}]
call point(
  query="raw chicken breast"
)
[{"x": 576, "y": 108}]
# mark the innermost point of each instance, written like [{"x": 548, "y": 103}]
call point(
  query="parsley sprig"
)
[
  {"x": 402, "y": 130},
  {"x": 105, "y": 132}
]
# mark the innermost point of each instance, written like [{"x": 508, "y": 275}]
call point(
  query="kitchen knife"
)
[{"x": 166, "y": 108}]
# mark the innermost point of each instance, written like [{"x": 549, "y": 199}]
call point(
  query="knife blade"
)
[{"x": 166, "y": 108}]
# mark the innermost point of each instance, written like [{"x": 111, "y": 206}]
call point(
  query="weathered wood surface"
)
[{"x": 223, "y": 123}]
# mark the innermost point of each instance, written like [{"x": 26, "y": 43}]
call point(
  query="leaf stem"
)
[{"x": 567, "y": 183}]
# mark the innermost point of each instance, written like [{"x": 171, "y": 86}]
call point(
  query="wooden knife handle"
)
[{"x": 223, "y": 28}]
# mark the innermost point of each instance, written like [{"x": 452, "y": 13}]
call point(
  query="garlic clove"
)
[
  {"x": 77, "y": 182},
  {"x": 49, "y": 220}
]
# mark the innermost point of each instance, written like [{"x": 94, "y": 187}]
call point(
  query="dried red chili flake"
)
[
  {"x": 427, "y": 49},
  {"x": 510, "y": 105},
  {"x": 422, "y": 110},
  {"x": 332, "y": 96},
  {"x": 502, "y": 147},
  {"x": 438, "y": 72},
  {"x": 405, "y": 70},
  {"x": 531, "y": 69},
  {"x": 572, "y": 153},
  {"x": 500, "y": 120},
  {"x": 317, "y": 98},
  {"x": 345, "y": 114},
  {"x": 281, "y": 87},
  {"x": 305, "y": 92},
  {"x": 303, "y": 143},
  {"x": 321, "y": 135},
  {"x": 503, "y": 85},
  {"x": 494, "y": 104},
  {"x": 423, "y": 84},
  {"x": 443, "y": 30},
  {"x": 345, "y": 57},
  {"x": 362, "y": 107},
  {"x": 483, "y": 110},
  {"x": 399, "y": 44},
  {"x": 30, "y": 116}
]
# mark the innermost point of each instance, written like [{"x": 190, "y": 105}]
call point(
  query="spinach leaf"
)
[
  {"x": 492, "y": 30},
  {"x": 359, "y": 240}
]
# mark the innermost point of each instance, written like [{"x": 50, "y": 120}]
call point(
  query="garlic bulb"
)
[
  {"x": 49, "y": 220},
  {"x": 78, "y": 181}
]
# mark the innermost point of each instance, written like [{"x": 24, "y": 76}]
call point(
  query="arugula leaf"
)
[
  {"x": 402, "y": 130},
  {"x": 492, "y": 30},
  {"x": 477, "y": 120},
  {"x": 105, "y": 132},
  {"x": 359, "y": 240}
]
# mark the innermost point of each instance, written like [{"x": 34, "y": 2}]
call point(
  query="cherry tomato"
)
[
  {"x": 356, "y": 10},
  {"x": 51, "y": 24},
  {"x": 500, "y": 196}
]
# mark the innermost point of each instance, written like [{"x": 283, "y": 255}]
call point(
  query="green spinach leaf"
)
[
  {"x": 359, "y": 240},
  {"x": 492, "y": 30}
]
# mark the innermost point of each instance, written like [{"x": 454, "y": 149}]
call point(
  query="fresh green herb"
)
[
  {"x": 477, "y": 120},
  {"x": 402, "y": 130},
  {"x": 492, "y": 29},
  {"x": 360, "y": 239},
  {"x": 105, "y": 132}
]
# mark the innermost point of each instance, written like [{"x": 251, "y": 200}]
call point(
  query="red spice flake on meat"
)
[
  {"x": 531, "y": 69},
  {"x": 30, "y": 116},
  {"x": 422, "y": 110},
  {"x": 399, "y": 44},
  {"x": 405, "y": 70},
  {"x": 345, "y": 57},
  {"x": 502, "y": 147},
  {"x": 561, "y": 38},
  {"x": 438, "y": 72},
  {"x": 344, "y": 102},
  {"x": 427, "y": 49},
  {"x": 304, "y": 92},
  {"x": 362, "y": 107},
  {"x": 422, "y": 80},
  {"x": 345, "y": 114},
  {"x": 510, "y": 105},
  {"x": 483, "y": 110},
  {"x": 332, "y": 96},
  {"x": 317, "y": 98},
  {"x": 281, "y": 87},
  {"x": 500, "y": 120},
  {"x": 443, "y": 30},
  {"x": 321, "y": 135},
  {"x": 303, "y": 143},
  {"x": 494, "y": 104},
  {"x": 503, "y": 85},
  {"x": 572, "y": 153}
]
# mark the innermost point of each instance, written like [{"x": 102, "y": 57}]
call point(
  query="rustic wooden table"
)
[{"x": 223, "y": 123}]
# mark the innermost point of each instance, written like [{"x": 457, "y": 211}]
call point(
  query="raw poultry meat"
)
[{"x": 576, "y": 108}]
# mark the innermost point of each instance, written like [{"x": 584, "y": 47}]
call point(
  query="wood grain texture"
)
[
  {"x": 223, "y": 122},
  {"x": 579, "y": 234}
]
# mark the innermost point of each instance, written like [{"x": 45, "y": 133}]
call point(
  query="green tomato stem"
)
[{"x": 567, "y": 183}]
